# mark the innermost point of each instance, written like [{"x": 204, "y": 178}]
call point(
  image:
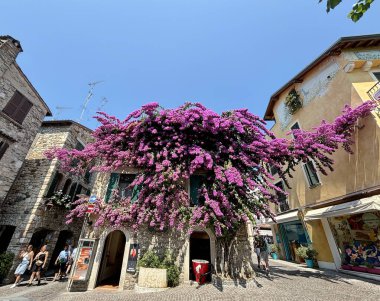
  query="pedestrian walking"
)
[
  {"x": 264, "y": 253},
  {"x": 61, "y": 263},
  {"x": 71, "y": 260},
  {"x": 257, "y": 249},
  {"x": 39, "y": 264},
  {"x": 26, "y": 263}
]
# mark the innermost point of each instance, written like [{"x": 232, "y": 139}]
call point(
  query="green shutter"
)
[
  {"x": 195, "y": 182},
  {"x": 135, "y": 193},
  {"x": 114, "y": 181}
]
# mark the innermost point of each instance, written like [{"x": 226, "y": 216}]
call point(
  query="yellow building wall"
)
[
  {"x": 319, "y": 240},
  {"x": 352, "y": 172}
]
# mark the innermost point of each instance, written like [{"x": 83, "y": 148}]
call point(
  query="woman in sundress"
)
[
  {"x": 26, "y": 263},
  {"x": 39, "y": 264}
]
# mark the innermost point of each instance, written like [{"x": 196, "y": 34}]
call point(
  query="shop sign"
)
[
  {"x": 83, "y": 259},
  {"x": 134, "y": 252}
]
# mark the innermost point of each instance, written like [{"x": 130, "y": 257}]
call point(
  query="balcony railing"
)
[{"x": 374, "y": 92}]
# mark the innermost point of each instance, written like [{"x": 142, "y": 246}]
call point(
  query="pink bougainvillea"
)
[{"x": 232, "y": 150}]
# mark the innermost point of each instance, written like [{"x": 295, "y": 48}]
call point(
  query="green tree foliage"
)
[{"x": 358, "y": 9}]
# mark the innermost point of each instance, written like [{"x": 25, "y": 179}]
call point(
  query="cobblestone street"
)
[{"x": 285, "y": 282}]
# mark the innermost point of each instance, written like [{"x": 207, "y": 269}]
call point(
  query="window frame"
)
[
  {"x": 4, "y": 145},
  {"x": 311, "y": 186},
  {"x": 294, "y": 123},
  {"x": 286, "y": 197},
  {"x": 372, "y": 74}
]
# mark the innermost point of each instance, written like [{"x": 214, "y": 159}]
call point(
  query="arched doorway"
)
[
  {"x": 40, "y": 238},
  {"x": 112, "y": 259},
  {"x": 65, "y": 237},
  {"x": 200, "y": 248}
]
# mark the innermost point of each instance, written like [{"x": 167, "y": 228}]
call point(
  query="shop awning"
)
[
  {"x": 284, "y": 218},
  {"x": 364, "y": 205}
]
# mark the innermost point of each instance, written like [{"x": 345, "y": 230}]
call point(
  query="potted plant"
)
[
  {"x": 274, "y": 250},
  {"x": 293, "y": 101},
  {"x": 156, "y": 271},
  {"x": 307, "y": 253}
]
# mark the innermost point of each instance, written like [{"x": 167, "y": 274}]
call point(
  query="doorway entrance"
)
[
  {"x": 112, "y": 260},
  {"x": 40, "y": 238},
  {"x": 293, "y": 235},
  {"x": 65, "y": 237},
  {"x": 199, "y": 249}
]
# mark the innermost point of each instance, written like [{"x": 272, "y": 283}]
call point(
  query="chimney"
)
[{"x": 9, "y": 47}]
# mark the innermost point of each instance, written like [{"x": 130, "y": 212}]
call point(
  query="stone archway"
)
[
  {"x": 110, "y": 267},
  {"x": 200, "y": 241}
]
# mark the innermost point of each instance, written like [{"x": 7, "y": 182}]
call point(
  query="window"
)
[
  {"x": 311, "y": 174},
  {"x": 3, "y": 148},
  {"x": 295, "y": 126},
  {"x": 273, "y": 169},
  {"x": 377, "y": 75},
  {"x": 54, "y": 184},
  {"x": 196, "y": 182},
  {"x": 18, "y": 107},
  {"x": 282, "y": 199},
  {"x": 122, "y": 183}
]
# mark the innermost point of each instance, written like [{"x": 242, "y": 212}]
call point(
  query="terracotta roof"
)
[{"x": 335, "y": 49}]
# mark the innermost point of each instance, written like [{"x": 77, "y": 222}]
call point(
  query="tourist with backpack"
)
[{"x": 61, "y": 263}]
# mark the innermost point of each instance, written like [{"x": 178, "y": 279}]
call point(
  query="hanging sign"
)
[
  {"x": 92, "y": 199},
  {"x": 132, "y": 257}
]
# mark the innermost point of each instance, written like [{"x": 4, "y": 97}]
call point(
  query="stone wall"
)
[
  {"x": 25, "y": 206},
  {"x": 18, "y": 136}
]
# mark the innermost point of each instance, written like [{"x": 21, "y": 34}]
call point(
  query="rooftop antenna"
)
[
  {"x": 102, "y": 104},
  {"x": 59, "y": 111},
  {"x": 88, "y": 97}
]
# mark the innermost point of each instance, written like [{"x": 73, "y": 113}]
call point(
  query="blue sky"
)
[{"x": 224, "y": 53}]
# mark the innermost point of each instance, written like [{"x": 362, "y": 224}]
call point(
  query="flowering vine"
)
[{"x": 231, "y": 150}]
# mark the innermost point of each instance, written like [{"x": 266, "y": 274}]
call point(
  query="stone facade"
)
[
  {"x": 18, "y": 136},
  {"x": 179, "y": 243},
  {"x": 26, "y": 208}
]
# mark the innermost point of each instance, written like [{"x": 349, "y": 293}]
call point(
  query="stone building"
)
[
  {"x": 105, "y": 254},
  {"x": 21, "y": 113},
  {"x": 339, "y": 213},
  {"x": 27, "y": 216}
]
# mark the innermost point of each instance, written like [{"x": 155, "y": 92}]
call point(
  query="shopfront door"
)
[{"x": 293, "y": 235}]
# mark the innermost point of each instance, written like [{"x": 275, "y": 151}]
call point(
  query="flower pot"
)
[
  {"x": 359, "y": 269},
  {"x": 200, "y": 267},
  {"x": 309, "y": 263},
  {"x": 152, "y": 278},
  {"x": 346, "y": 267},
  {"x": 274, "y": 256},
  {"x": 374, "y": 270}
]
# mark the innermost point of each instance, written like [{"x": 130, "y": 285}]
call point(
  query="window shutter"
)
[
  {"x": 12, "y": 105},
  {"x": 53, "y": 185},
  {"x": 195, "y": 182},
  {"x": 3, "y": 148},
  {"x": 114, "y": 180},
  {"x": 18, "y": 107},
  {"x": 311, "y": 173},
  {"x": 135, "y": 193}
]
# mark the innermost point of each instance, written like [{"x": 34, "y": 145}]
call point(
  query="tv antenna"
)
[
  {"x": 59, "y": 111},
  {"x": 102, "y": 104},
  {"x": 88, "y": 97}
]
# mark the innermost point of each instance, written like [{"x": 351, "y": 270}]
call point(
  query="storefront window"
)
[{"x": 358, "y": 240}]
